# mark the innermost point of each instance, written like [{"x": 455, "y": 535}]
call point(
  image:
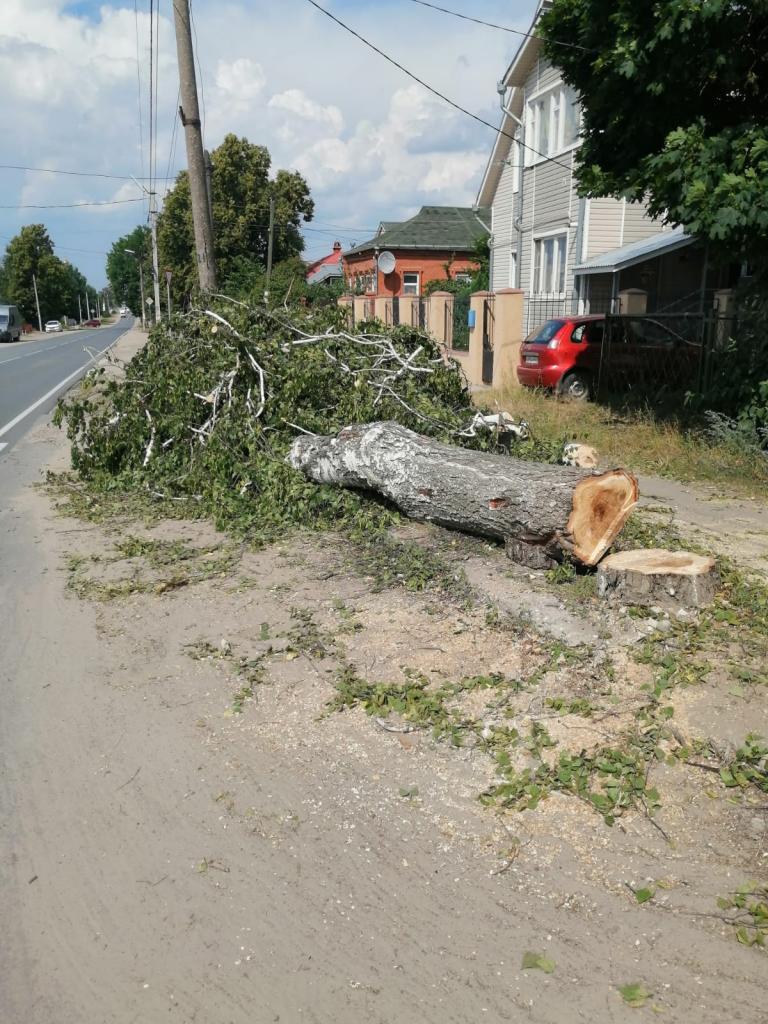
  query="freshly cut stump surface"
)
[{"x": 653, "y": 576}]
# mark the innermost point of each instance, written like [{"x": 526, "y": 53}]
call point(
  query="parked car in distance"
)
[
  {"x": 92, "y": 323},
  {"x": 564, "y": 355},
  {"x": 10, "y": 322},
  {"x": 53, "y": 327}
]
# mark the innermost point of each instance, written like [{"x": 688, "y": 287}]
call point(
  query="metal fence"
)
[
  {"x": 457, "y": 323},
  {"x": 659, "y": 355},
  {"x": 539, "y": 309},
  {"x": 489, "y": 323}
]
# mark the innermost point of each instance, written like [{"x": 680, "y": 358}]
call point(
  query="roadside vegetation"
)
[{"x": 683, "y": 445}]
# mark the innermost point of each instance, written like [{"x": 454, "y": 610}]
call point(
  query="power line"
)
[
  {"x": 71, "y": 206},
  {"x": 138, "y": 81},
  {"x": 72, "y": 174},
  {"x": 436, "y": 92},
  {"x": 502, "y": 28}
]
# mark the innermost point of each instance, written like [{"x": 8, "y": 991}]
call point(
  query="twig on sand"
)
[{"x": 129, "y": 781}]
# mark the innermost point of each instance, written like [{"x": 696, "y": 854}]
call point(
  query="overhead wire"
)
[
  {"x": 138, "y": 82},
  {"x": 73, "y": 174},
  {"x": 436, "y": 92},
  {"x": 71, "y": 206},
  {"x": 501, "y": 28}
]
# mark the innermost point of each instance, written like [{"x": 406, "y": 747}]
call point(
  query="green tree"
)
[
  {"x": 242, "y": 189},
  {"x": 30, "y": 254},
  {"x": 674, "y": 95},
  {"x": 123, "y": 267}
]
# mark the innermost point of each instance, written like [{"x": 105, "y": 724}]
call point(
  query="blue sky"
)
[{"x": 372, "y": 144}]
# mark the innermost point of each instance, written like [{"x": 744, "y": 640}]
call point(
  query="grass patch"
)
[{"x": 641, "y": 440}]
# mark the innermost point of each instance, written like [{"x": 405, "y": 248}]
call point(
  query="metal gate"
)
[
  {"x": 655, "y": 355},
  {"x": 488, "y": 325},
  {"x": 457, "y": 330}
]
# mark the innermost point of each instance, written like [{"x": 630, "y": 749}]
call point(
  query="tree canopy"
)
[
  {"x": 28, "y": 254},
  {"x": 674, "y": 95},
  {"x": 242, "y": 189},
  {"x": 123, "y": 267}
]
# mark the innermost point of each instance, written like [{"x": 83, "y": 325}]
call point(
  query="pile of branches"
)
[{"x": 206, "y": 412}]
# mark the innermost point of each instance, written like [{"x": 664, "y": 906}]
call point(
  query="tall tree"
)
[
  {"x": 242, "y": 189},
  {"x": 123, "y": 267},
  {"x": 28, "y": 254},
  {"x": 674, "y": 95}
]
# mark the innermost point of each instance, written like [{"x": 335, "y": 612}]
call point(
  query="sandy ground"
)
[{"x": 174, "y": 848}]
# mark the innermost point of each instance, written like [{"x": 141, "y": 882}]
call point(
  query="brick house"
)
[
  {"x": 328, "y": 268},
  {"x": 438, "y": 243}
]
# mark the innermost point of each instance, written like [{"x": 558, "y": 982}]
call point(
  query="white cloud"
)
[
  {"x": 240, "y": 82},
  {"x": 294, "y": 101}
]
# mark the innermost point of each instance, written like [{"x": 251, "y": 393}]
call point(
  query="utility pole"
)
[
  {"x": 269, "y": 247},
  {"x": 80, "y": 308},
  {"x": 87, "y": 310},
  {"x": 209, "y": 181},
  {"x": 138, "y": 256},
  {"x": 155, "y": 262},
  {"x": 168, "y": 276},
  {"x": 37, "y": 303},
  {"x": 189, "y": 114}
]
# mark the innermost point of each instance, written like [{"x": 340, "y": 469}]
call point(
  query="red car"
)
[
  {"x": 564, "y": 355},
  {"x": 92, "y": 323}
]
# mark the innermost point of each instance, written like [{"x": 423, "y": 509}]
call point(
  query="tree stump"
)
[
  {"x": 652, "y": 576},
  {"x": 555, "y": 509}
]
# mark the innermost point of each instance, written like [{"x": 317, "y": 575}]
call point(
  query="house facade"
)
[
  {"x": 544, "y": 237},
  {"x": 326, "y": 269},
  {"x": 438, "y": 243}
]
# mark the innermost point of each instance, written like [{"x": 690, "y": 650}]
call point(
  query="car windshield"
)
[
  {"x": 544, "y": 334},
  {"x": 3, "y": 319}
]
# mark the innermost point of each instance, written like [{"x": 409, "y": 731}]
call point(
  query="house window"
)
[
  {"x": 411, "y": 283},
  {"x": 513, "y": 269},
  {"x": 549, "y": 265},
  {"x": 552, "y": 123}
]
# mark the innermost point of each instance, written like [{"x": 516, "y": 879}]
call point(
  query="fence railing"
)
[
  {"x": 659, "y": 355},
  {"x": 539, "y": 309}
]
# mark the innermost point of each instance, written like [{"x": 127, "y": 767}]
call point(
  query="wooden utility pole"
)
[
  {"x": 37, "y": 303},
  {"x": 270, "y": 244},
  {"x": 189, "y": 113}
]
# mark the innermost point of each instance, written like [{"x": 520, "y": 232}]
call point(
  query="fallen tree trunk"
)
[{"x": 547, "y": 509}]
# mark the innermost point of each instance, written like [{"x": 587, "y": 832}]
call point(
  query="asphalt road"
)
[{"x": 34, "y": 373}]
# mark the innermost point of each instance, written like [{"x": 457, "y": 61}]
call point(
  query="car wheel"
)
[{"x": 576, "y": 386}]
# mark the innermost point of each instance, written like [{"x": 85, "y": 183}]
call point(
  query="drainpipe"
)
[
  {"x": 578, "y": 245},
  {"x": 517, "y": 222}
]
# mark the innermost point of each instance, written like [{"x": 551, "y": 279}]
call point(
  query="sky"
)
[{"x": 372, "y": 144}]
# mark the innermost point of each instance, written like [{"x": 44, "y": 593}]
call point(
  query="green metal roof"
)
[{"x": 449, "y": 228}]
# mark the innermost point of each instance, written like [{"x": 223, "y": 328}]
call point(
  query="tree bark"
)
[
  {"x": 651, "y": 576},
  {"x": 553, "y": 508}
]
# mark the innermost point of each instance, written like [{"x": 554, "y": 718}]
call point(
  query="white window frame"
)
[
  {"x": 417, "y": 275},
  {"x": 549, "y": 104},
  {"x": 537, "y": 272},
  {"x": 513, "y": 267}
]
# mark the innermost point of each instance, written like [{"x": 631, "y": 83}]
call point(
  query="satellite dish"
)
[{"x": 386, "y": 262}]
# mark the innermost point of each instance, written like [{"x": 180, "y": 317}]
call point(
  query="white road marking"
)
[
  {"x": 3, "y": 444},
  {"x": 42, "y": 351},
  {"x": 52, "y": 392}
]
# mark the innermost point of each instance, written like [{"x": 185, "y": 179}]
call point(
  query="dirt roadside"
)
[{"x": 189, "y": 833}]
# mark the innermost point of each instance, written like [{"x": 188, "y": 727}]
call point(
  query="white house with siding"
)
[{"x": 543, "y": 236}]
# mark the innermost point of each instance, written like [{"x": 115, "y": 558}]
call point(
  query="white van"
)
[{"x": 10, "y": 323}]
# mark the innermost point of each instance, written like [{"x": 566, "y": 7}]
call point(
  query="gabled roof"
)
[
  {"x": 325, "y": 272},
  {"x": 514, "y": 78},
  {"x": 333, "y": 259},
  {"x": 636, "y": 252},
  {"x": 445, "y": 228}
]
